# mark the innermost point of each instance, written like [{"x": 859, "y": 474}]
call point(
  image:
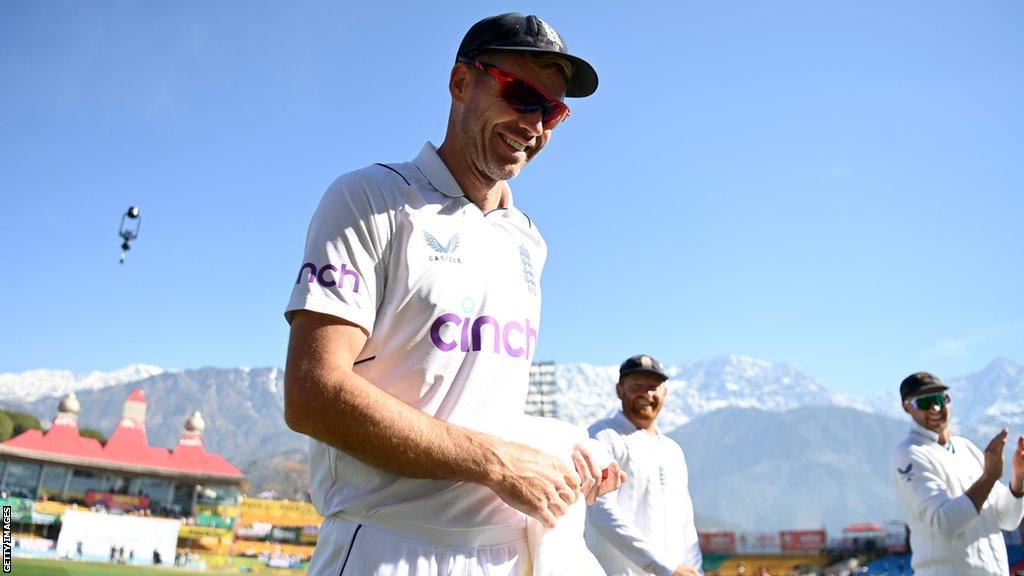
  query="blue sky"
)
[{"x": 833, "y": 184}]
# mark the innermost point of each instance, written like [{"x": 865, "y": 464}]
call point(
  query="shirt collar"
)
[
  {"x": 626, "y": 425},
  {"x": 440, "y": 177},
  {"x": 933, "y": 436},
  {"x": 922, "y": 431},
  {"x": 431, "y": 165}
]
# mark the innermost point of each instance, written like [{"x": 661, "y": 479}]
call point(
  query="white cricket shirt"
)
[
  {"x": 450, "y": 297},
  {"x": 646, "y": 526},
  {"x": 948, "y": 536}
]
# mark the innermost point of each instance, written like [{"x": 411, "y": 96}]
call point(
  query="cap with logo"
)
[
  {"x": 642, "y": 363},
  {"x": 919, "y": 384},
  {"x": 516, "y": 32}
]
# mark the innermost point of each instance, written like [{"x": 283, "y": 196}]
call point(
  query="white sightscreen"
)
[{"x": 98, "y": 532}]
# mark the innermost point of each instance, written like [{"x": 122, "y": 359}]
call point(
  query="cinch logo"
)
[
  {"x": 516, "y": 339},
  {"x": 337, "y": 276}
]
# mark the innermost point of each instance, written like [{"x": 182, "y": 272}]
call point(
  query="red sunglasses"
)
[{"x": 522, "y": 95}]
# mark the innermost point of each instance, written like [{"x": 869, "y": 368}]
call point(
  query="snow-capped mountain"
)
[
  {"x": 587, "y": 393},
  {"x": 34, "y": 384},
  {"x": 986, "y": 401},
  {"x": 983, "y": 402}
]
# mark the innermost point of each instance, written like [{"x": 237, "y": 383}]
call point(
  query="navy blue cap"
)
[
  {"x": 519, "y": 33},
  {"x": 919, "y": 384},
  {"x": 642, "y": 363}
]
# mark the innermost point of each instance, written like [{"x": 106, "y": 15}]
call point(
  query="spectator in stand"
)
[
  {"x": 950, "y": 490},
  {"x": 646, "y": 527}
]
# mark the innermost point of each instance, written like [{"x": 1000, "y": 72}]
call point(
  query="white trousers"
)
[{"x": 350, "y": 547}]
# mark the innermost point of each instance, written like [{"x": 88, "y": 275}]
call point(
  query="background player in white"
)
[
  {"x": 950, "y": 491},
  {"x": 413, "y": 322},
  {"x": 647, "y": 526}
]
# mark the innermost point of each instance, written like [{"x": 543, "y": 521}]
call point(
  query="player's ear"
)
[
  {"x": 618, "y": 389},
  {"x": 459, "y": 82}
]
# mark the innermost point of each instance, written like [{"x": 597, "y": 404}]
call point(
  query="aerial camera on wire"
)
[{"x": 131, "y": 222}]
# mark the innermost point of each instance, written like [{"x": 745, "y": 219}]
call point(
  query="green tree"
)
[
  {"x": 93, "y": 433},
  {"x": 6, "y": 426},
  {"x": 23, "y": 421}
]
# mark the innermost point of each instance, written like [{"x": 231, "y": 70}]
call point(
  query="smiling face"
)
[
  {"x": 497, "y": 140},
  {"x": 643, "y": 396},
  {"x": 935, "y": 418}
]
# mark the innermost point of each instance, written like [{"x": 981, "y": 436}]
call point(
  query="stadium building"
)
[
  {"x": 542, "y": 396},
  {"x": 59, "y": 474},
  {"x": 125, "y": 474}
]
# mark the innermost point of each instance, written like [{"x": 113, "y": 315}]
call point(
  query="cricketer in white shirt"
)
[
  {"x": 646, "y": 527},
  {"x": 449, "y": 295},
  {"x": 414, "y": 318},
  {"x": 450, "y": 299},
  {"x": 940, "y": 480}
]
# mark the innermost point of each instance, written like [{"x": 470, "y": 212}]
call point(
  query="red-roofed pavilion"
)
[{"x": 62, "y": 465}]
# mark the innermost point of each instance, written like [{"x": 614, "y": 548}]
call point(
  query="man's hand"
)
[
  {"x": 1017, "y": 481},
  {"x": 535, "y": 483},
  {"x": 993, "y": 471},
  {"x": 994, "y": 456},
  {"x": 589, "y": 471},
  {"x": 595, "y": 482},
  {"x": 684, "y": 570},
  {"x": 612, "y": 480}
]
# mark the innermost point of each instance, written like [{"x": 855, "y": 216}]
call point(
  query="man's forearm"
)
[
  {"x": 979, "y": 491},
  {"x": 351, "y": 414},
  {"x": 1017, "y": 487}
]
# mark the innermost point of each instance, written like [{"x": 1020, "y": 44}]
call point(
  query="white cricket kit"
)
[
  {"x": 948, "y": 535},
  {"x": 450, "y": 297},
  {"x": 646, "y": 526}
]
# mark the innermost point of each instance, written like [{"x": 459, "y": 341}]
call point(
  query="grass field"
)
[
  {"x": 30, "y": 567},
  {"x": 27, "y": 567}
]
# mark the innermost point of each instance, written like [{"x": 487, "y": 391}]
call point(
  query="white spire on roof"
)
[
  {"x": 195, "y": 423},
  {"x": 69, "y": 405}
]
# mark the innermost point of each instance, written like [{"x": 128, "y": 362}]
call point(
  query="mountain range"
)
[
  {"x": 243, "y": 409},
  {"x": 768, "y": 445},
  {"x": 34, "y": 384},
  {"x": 806, "y": 468},
  {"x": 587, "y": 392}
]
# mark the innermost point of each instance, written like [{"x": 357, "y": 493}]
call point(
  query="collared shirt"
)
[
  {"x": 646, "y": 526},
  {"x": 948, "y": 535},
  {"x": 450, "y": 298}
]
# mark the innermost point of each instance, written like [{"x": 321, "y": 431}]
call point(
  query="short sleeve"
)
[{"x": 343, "y": 271}]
